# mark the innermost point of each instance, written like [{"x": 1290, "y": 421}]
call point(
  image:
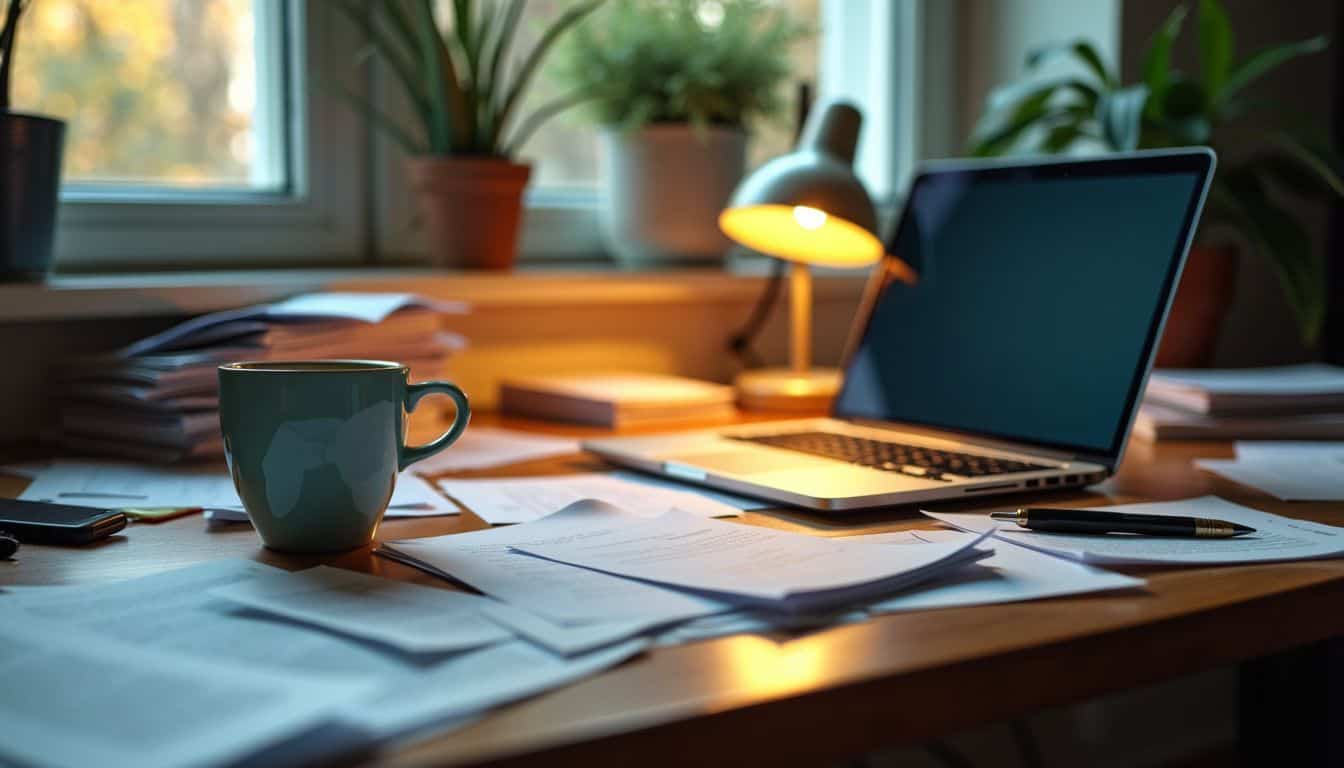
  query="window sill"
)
[{"x": 184, "y": 293}]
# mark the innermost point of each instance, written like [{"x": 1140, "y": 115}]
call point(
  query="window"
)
[
  {"x": 200, "y": 134},
  {"x": 158, "y": 93}
]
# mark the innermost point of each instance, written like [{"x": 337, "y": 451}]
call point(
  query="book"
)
[
  {"x": 616, "y": 399},
  {"x": 1156, "y": 421},
  {"x": 1289, "y": 389}
]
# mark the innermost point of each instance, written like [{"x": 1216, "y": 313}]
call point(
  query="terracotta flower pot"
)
[
  {"x": 1202, "y": 301},
  {"x": 471, "y": 208}
]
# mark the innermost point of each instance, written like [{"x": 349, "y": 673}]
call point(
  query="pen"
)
[{"x": 1098, "y": 521}]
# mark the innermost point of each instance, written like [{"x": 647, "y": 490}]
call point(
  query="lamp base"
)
[{"x": 783, "y": 389}]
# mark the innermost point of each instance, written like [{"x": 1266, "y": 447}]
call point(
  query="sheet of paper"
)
[
  {"x": 1310, "y": 378},
  {"x": 746, "y": 563},
  {"x": 1270, "y": 450},
  {"x": 1314, "y": 476},
  {"x": 1011, "y": 574},
  {"x": 485, "y": 447},
  {"x": 743, "y": 503},
  {"x": 569, "y": 639},
  {"x": 507, "y": 500},
  {"x": 756, "y": 622},
  {"x": 469, "y": 683},
  {"x": 560, "y": 593},
  {"x": 175, "y": 611},
  {"x": 73, "y": 698},
  {"x": 1276, "y": 538},
  {"x": 118, "y": 484},
  {"x": 412, "y": 617}
]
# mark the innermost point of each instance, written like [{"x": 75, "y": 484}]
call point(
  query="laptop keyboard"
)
[{"x": 917, "y": 460}]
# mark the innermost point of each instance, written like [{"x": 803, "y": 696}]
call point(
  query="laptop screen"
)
[{"x": 1038, "y": 295}]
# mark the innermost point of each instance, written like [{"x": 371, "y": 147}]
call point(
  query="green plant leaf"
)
[
  {"x": 1319, "y": 165},
  {"x": 1281, "y": 239},
  {"x": 1184, "y": 99},
  {"x": 1121, "y": 116},
  {"x": 1080, "y": 49},
  {"x": 392, "y": 52},
  {"x": 432, "y": 69},
  {"x": 1265, "y": 61},
  {"x": 1001, "y": 131},
  {"x": 540, "y": 115},
  {"x": 1215, "y": 44},
  {"x": 1061, "y": 137},
  {"x": 569, "y": 18},
  {"x": 1157, "y": 62},
  {"x": 382, "y": 122}
]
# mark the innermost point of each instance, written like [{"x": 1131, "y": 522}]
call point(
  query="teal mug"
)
[{"x": 315, "y": 447}]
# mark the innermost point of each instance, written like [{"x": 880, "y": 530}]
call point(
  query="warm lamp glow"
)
[
  {"x": 801, "y": 233},
  {"x": 808, "y": 217}
]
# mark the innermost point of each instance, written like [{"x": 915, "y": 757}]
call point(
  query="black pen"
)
[{"x": 1098, "y": 521}]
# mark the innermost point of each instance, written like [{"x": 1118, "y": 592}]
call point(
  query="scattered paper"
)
[
  {"x": 756, "y": 622},
  {"x": 485, "y": 447},
  {"x": 1011, "y": 574},
  {"x": 177, "y": 612},
  {"x": 414, "y": 618},
  {"x": 560, "y": 593},
  {"x": 502, "y": 501},
  {"x": 1292, "y": 471},
  {"x": 748, "y": 564},
  {"x": 743, "y": 503},
  {"x": 116, "y": 484},
  {"x": 1275, "y": 539},
  {"x": 73, "y": 698}
]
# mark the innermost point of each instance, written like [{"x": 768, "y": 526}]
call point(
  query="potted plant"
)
[
  {"x": 675, "y": 84},
  {"x": 466, "y": 94},
  {"x": 1169, "y": 108},
  {"x": 30, "y": 172}
]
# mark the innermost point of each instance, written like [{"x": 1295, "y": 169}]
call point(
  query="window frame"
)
[{"x": 320, "y": 218}]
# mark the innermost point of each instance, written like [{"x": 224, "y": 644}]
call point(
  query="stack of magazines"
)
[
  {"x": 1294, "y": 402},
  {"x": 157, "y": 399}
]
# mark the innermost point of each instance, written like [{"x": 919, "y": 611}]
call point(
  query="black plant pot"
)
[{"x": 30, "y": 178}]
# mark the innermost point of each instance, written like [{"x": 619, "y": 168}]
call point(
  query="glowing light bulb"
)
[{"x": 808, "y": 218}]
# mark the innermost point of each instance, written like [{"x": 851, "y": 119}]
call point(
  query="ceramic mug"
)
[{"x": 314, "y": 447}]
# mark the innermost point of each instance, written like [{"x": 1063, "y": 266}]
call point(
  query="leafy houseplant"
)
[
  {"x": 30, "y": 172},
  {"x": 466, "y": 94},
  {"x": 675, "y": 84},
  {"x": 1170, "y": 108}
]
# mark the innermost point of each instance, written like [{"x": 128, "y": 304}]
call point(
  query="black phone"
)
[{"x": 41, "y": 523}]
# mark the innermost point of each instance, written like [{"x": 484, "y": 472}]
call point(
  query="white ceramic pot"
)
[{"x": 665, "y": 187}]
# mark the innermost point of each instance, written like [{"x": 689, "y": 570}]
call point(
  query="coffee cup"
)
[{"x": 315, "y": 447}]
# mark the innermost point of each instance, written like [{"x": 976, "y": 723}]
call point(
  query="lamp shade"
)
[{"x": 809, "y": 206}]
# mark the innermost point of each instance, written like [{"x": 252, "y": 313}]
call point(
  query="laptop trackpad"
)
[{"x": 741, "y": 462}]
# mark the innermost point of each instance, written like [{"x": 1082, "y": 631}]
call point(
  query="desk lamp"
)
[{"x": 807, "y": 207}]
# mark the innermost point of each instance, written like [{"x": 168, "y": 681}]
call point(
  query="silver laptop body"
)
[{"x": 1016, "y": 360}]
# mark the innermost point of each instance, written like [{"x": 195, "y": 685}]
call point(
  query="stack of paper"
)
[
  {"x": 1286, "y": 402},
  {"x": 157, "y": 399},
  {"x": 1290, "y": 471},
  {"x": 616, "y": 399}
]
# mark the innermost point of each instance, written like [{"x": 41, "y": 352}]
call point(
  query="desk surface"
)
[{"x": 891, "y": 680}]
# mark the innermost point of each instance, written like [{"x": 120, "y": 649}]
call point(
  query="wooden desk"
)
[{"x": 895, "y": 679}]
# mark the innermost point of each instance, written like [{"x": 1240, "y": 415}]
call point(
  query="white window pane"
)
[
  {"x": 157, "y": 92},
  {"x": 564, "y": 151}
]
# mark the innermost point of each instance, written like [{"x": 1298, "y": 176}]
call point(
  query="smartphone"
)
[{"x": 42, "y": 523}]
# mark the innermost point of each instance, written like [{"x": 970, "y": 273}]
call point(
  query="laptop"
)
[{"x": 1012, "y": 360}]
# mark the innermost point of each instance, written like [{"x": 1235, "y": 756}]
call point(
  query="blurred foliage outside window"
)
[
  {"x": 155, "y": 92},
  {"x": 565, "y": 149},
  {"x": 166, "y": 93}
]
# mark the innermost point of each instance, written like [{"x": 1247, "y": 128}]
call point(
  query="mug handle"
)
[{"x": 409, "y": 454}]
